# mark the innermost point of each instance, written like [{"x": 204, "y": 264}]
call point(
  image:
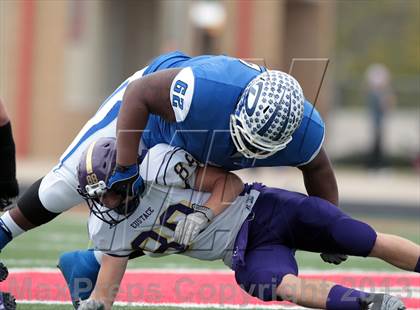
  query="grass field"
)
[{"x": 41, "y": 248}]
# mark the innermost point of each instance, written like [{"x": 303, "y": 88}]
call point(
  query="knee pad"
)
[
  {"x": 353, "y": 237},
  {"x": 32, "y": 208}
]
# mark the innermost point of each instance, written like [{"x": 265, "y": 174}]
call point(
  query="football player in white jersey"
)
[{"x": 182, "y": 209}]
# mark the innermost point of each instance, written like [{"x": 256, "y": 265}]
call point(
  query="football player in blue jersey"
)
[
  {"x": 8, "y": 187},
  {"x": 227, "y": 113},
  {"x": 224, "y": 111}
]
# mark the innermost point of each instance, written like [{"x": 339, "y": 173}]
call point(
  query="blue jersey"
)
[{"x": 203, "y": 96}]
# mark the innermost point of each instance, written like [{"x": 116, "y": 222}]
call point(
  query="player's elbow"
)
[{"x": 136, "y": 94}]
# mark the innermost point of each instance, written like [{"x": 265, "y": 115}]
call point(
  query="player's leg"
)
[
  {"x": 42, "y": 201},
  {"x": 57, "y": 191},
  {"x": 270, "y": 273},
  {"x": 397, "y": 251},
  {"x": 8, "y": 184},
  {"x": 8, "y": 188},
  {"x": 80, "y": 271},
  {"x": 328, "y": 295},
  {"x": 282, "y": 217},
  {"x": 319, "y": 226},
  {"x": 7, "y": 301}
]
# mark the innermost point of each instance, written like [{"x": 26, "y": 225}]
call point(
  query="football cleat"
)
[
  {"x": 80, "y": 270},
  {"x": 381, "y": 302},
  {"x": 3, "y": 272},
  {"x": 7, "y": 301}
]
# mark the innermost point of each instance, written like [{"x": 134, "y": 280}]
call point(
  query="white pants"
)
[{"x": 58, "y": 190}]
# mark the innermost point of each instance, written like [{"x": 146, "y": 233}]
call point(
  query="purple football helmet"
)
[{"x": 95, "y": 167}]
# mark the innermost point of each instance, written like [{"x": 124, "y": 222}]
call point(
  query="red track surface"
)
[{"x": 198, "y": 287}]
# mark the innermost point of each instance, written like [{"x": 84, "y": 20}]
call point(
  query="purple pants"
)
[{"x": 283, "y": 222}]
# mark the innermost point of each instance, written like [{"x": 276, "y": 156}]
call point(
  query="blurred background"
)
[{"x": 60, "y": 59}]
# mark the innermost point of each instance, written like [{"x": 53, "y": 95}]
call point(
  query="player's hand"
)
[
  {"x": 90, "y": 304},
  {"x": 126, "y": 181},
  {"x": 335, "y": 259},
  {"x": 191, "y": 225}
]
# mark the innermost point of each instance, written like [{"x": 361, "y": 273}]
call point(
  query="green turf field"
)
[{"x": 41, "y": 247}]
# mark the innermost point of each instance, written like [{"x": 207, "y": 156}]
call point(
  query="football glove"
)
[
  {"x": 191, "y": 225},
  {"x": 90, "y": 304},
  {"x": 335, "y": 259},
  {"x": 126, "y": 181}
]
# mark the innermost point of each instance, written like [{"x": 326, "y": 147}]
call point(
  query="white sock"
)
[
  {"x": 98, "y": 256},
  {"x": 10, "y": 224}
]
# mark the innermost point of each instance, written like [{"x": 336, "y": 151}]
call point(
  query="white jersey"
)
[{"x": 168, "y": 173}]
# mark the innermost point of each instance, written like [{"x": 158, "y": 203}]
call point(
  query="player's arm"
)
[
  {"x": 109, "y": 279},
  {"x": 320, "y": 181},
  {"x": 147, "y": 95},
  {"x": 319, "y": 178},
  {"x": 224, "y": 187}
]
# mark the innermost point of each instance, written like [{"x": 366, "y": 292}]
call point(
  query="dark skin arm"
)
[
  {"x": 148, "y": 95},
  {"x": 319, "y": 178}
]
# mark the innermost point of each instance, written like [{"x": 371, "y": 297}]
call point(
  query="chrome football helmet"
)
[
  {"x": 95, "y": 167},
  {"x": 268, "y": 112}
]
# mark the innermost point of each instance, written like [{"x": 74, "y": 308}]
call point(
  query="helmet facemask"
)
[
  {"x": 96, "y": 165},
  {"x": 247, "y": 145},
  {"x": 111, "y": 216}
]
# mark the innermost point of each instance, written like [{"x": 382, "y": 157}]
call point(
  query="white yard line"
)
[{"x": 174, "y": 305}]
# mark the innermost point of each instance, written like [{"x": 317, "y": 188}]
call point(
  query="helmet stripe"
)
[
  {"x": 278, "y": 136},
  {"x": 267, "y": 125},
  {"x": 89, "y": 155}
]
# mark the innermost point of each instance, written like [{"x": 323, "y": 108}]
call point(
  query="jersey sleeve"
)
[
  {"x": 312, "y": 135},
  {"x": 182, "y": 92},
  {"x": 306, "y": 143},
  {"x": 169, "y": 166}
]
